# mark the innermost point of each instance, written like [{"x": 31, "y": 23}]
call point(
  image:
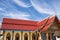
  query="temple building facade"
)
[{"x": 15, "y": 29}]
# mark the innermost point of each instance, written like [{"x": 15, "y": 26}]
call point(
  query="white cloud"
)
[
  {"x": 2, "y": 9},
  {"x": 18, "y": 15},
  {"x": 56, "y": 5},
  {"x": 20, "y": 3},
  {"x": 49, "y": 8},
  {"x": 42, "y": 6}
]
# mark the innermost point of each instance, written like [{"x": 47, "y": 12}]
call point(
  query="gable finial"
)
[{"x": 55, "y": 13}]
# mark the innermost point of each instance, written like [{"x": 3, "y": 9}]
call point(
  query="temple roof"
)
[
  {"x": 15, "y": 24},
  {"x": 17, "y": 21},
  {"x": 49, "y": 23}
]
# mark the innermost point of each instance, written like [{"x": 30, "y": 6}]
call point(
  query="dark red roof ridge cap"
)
[{"x": 55, "y": 17}]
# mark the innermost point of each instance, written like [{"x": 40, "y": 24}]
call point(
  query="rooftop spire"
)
[{"x": 55, "y": 13}]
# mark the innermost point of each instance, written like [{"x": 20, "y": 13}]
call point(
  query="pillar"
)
[
  {"x": 30, "y": 36},
  {"x": 4, "y": 35},
  {"x": 12, "y": 35},
  {"x": 47, "y": 36},
  {"x": 50, "y": 36},
  {"x": 39, "y": 37},
  {"x": 36, "y": 35},
  {"x": 28, "y": 33},
  {"x": 22, "y": 36}
]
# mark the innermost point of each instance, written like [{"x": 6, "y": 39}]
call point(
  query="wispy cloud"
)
[
  {"x": 2, "y": 9},
  {"x": 18, "y": 15},
  {"x": 21, "y": 3},
  {"x": 12, "y": 12},
  {"x": 42, "y": 6},
  {"x": 49, "y": 7},
  {"x": 16, "y": 9},
  {"x": 56, "y": 5}
]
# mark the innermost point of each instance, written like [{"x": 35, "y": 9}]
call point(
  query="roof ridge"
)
[
  {"x": 52, "y": 20},
  {"x": 43, "y": 24}
]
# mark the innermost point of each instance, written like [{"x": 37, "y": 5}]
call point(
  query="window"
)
[
  {"x": 26, "y": 37},
  {"x": 33, "y": 37},
  {"x": 8, "y": 37},
  {"x": 17, "y": 36}
]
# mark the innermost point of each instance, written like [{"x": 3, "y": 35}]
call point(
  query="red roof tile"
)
[
  {"x": 57, "y": 20},
  {"x": 49, "y": 23},
  {"x": 40, "y": 24},
  {"x": 14, "y": 24},
  {"x": 16, "y": 21},
  {"x": 17, "y": 27}
]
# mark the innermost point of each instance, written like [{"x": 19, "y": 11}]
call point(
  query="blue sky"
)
[{"x": 29, "y": 9}]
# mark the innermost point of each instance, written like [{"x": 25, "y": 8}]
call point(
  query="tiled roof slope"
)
[
  {"x": 50, "y": 20},
  {"x": 15, "y": 24}
]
